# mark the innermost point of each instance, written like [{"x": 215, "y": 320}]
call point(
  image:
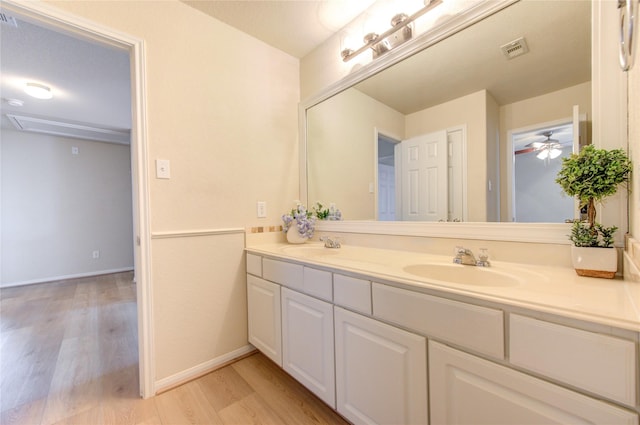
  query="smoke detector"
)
[
  {"x": 15, "y": 102},
  {"x": 515, "y": 48}
]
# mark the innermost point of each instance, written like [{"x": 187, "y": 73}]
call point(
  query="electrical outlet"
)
[
  {"x": 262, "y": 209},
  {"x": 74, "y": 150},
  {"x": 96, "y": 254}
]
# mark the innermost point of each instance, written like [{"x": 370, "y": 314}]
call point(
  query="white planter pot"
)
[
  {"x": 293, "y": 236},
  {"x": 595, "y": 262}
]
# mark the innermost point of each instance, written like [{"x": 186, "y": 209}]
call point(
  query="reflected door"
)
[{"x": 424, "y": 177}]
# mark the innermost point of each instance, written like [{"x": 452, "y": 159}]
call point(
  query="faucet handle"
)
[{"x": 483, "y": 258}]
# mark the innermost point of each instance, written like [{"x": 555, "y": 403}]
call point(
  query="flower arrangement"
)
[
  {"x": 305, "y": 220},
  {"x": 323, "y": 213},
  {"x": 301, "y": 218}
]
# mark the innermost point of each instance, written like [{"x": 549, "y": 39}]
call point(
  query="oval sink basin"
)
[{"x": 467, "y": 275}]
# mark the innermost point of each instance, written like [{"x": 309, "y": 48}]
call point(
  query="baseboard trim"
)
[
  {"x": 165, "y": 384},
  {"x": 64, "y": 277}
]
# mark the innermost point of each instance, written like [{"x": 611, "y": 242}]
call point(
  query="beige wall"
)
[
  {"x": 342, "y": 143},
  {"x": 222, "y": 107},
  {"x": 550, "y": 107},
  {"x": 492, "y": 186},
  {"x": 468, "y": 110}
]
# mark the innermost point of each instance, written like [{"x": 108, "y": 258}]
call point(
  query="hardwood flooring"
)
[{"x": 69, "y": 355}]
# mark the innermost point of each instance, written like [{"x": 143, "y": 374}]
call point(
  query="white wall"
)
[
  {"x": 539, "y": 199},
  {"x": 57, "y": 208}
]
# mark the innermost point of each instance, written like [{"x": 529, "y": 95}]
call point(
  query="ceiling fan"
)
[{"x": 547, "y": 149}]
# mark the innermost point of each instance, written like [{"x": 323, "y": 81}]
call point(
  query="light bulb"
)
[
  {"x": 543, "y": 154},
  {"x": 555, "y": 152}
]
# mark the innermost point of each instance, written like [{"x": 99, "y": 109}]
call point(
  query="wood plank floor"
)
[{"x": 69, "y": 355}]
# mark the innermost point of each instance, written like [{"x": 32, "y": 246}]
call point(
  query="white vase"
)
[
  {"x": 293, "y": 236},
  {"x": 595, "y": 262}
]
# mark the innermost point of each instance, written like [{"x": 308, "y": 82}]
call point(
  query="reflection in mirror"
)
[{"x": 448, "y": 112}]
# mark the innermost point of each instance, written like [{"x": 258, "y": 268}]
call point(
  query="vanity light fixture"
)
[
  {"x": 39, "y": 91},
  {"x": 401, "y": 31}
]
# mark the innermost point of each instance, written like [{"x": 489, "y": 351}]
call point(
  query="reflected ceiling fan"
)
[{"x": 546, "y": 149}]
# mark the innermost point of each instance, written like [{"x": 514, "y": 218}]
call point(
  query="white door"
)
[
  {"x": 307, "y": 343},
  {"x": 386, "y": 192},
  {"x": 263, "y": 304},
  {"x": 381, "y": 375},
  {"x": 424, "y": 177},
  {"x": 465, "y": 389}
]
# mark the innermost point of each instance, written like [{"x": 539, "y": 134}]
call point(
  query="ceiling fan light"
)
[
  {"x": 554, "y": 153},
  {"x": 39, "y": 91},
  {"x": 543, "y": 154}
]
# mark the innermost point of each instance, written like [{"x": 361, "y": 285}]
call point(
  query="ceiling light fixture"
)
[
  {"x": 401, "y": 31},
  {"x": 39, "y": 91}
]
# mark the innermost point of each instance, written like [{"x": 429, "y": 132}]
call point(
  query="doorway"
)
[
  {"x": 69, "y": 24},
  {"x": 537, "y": 152},
  {"x": 386, "y": 178}
]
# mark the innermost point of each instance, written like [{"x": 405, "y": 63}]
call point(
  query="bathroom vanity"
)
[{"x": 398, "y": 337}]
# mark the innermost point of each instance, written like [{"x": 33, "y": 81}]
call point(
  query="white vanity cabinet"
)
[
  {"x": 263, "y": 306},
  {"x": 381, "y": 375},
  {"x": 360, "y": 344},
  {"x": 466, "y": 389},
  {"x": 307, "y": 343}
]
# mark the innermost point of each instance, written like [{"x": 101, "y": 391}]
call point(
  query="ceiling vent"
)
[
  {"x": 68, "y": 129},
  {"x": 515, "y": 48},
  {"x": 8, "y": 20}
]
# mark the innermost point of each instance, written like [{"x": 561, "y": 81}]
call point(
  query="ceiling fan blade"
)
[{"x": 527, "y": 150}]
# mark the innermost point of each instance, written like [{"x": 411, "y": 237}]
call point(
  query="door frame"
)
[
  {"x": 376, "y": 134},
  {"x": 83, "y": 28}
]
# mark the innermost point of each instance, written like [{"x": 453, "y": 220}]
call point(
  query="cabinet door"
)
[
  {"x": 307, "y": 343},
  {"x": 465, "y": 389},
  {"x": 263, "y": 305},
  {"x": 381, "y": 375}
]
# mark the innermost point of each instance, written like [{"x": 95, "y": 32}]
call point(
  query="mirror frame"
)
[{"x": 555, "y": 233}]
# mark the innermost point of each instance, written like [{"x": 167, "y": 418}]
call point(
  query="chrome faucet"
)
[
  {"x": 465, "y": 256},
  {"x": 330, "y": 243}
]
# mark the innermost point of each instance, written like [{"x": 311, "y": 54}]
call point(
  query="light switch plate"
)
[
  {"x": 261, "y": 209},
  {"x": 163, "y": 170}
]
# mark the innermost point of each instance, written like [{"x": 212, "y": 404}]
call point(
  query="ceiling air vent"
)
[
  {"x": 69, "y": 129},
  {"x": 8, "y": 20},
  {"x": 515, "y": 48}
]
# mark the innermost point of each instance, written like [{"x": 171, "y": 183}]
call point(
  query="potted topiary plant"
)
[{"x": 591, "y": 176}]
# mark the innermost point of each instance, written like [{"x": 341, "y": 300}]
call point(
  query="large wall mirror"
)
[{"x": 464, "y": 130}]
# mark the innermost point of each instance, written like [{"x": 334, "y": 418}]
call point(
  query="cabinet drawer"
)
[
  {"x": 598, "y": 363},
  {"x": 281, "y": 272},
  {"x": 352, "y": 293},
  {"x": 318, "y": 283},
  {"x": 254, "y": 265},
  {"x": 478, "y": 328}
]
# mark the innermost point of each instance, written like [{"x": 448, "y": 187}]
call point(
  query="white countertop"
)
[{"x": 557, "y": 290}]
